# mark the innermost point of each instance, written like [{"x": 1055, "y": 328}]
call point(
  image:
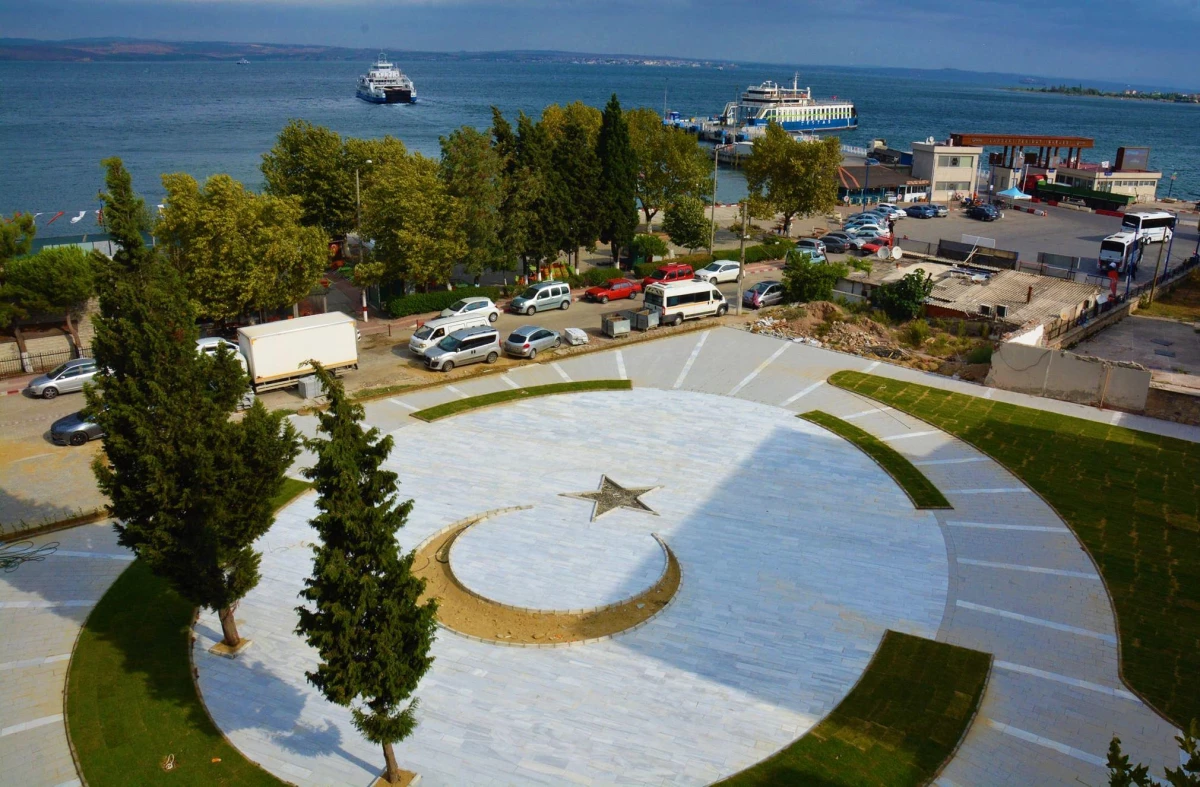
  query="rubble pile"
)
[{"x": 824, "y": 324}]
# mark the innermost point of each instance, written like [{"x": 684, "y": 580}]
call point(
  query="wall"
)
[
  {"x": 1031, "y": 337},
  {"x": 1056, "y": 374},
  {"x": 1173, "y": 405}
]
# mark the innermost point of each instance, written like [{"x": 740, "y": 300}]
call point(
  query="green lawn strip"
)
[
  {"x": 919, "y": 489},
  {"x": 1132, "y": 498},
  {"x": 131, "y": 701},
  {"x": 897, "y": 726},
  {"x": 485, "y": 400}
]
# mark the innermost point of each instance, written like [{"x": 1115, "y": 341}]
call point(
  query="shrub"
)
[
  {"x": 916, "y": 332},
  {"x": 649, "y": 246},
  {"x": 804, "y": 280},
  {"x": 644, "y": 269},
  {"x": 423, "y": 302},
  {"x": 904, "y": 299},
  {"x": 594, "y": 277},
  {"x": 980, "y": 354}
]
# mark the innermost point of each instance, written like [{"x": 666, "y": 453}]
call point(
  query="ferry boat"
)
[
  {"x": 793, "y": 108},
  {"x": 386, "y": 84},
  {"x": 243, "y": 62}
]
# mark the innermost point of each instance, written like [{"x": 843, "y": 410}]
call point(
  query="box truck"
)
[{"x": 278, "y": 353}]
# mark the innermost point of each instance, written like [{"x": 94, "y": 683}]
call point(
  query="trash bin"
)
[
  {"x": 311, "y": 388},
  {"x": 615, "y": 324},
  {"x": 645, "y": 319}
]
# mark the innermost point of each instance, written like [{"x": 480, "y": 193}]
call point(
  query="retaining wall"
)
[{"x": 1057, "y": 374}]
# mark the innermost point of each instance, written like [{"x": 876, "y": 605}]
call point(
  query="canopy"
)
[{"x": 1013, "y": 193}]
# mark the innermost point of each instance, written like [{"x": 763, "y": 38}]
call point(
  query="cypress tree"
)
[
  {"x": 189, "y": 488},
  {"x": 618, "y": 180},
  {"x": 576, "y": 171},
  {"x": 366, "y": 622}
]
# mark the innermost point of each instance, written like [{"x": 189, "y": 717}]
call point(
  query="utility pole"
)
[
  {"x": 712, "y": 233},
  {"x": 358, "y": 231},
  {"x": 1154, "y": 281},
  {"x": 742, "y": 256}
]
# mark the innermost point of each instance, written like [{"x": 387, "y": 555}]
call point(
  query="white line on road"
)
[
  {"x": 990, "y": 393},
  {"x": 105, "y": 555},
  {"x": 746, "y": 380},
  {"x": 621, "y": 366},
  {"x": 907, "y": 435},
  {"x": 44, "y": 604},
  {"x": 561, "y": 372},
  {"x": 405, "y": 405},
  {"x": 1076, "y": 682},
  {"x": 804, "y": 392},
  {"x": 1000, "y": 490},
  {"x": 1059, "y": 572},
  {"x": 1061, "y": 748},
  {"x": 456, "y": 392},
  {"x": 865, "y": 412},
  {"x": 687, "y": 367},
  {"x": 965, "y": 461},
  {"x": 1026, "y": 528},
  {"x": 27, "y": 458},
  {"x": 510, "y": 382},
  {"x": 30, "y": 725},
  {"x": 34, "y": 662},
  {"x": 871, "y": 366},
  {"x": 1050, "y": 624},
  {"x": 1116, "y": 418}
]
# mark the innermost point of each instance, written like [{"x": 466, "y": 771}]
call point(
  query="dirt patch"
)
[{"x": 467, "y": 613}]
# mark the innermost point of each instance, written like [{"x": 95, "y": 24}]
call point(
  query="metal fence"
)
[{"x": 35, "y": 364}]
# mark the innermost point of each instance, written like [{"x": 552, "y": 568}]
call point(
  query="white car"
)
[
  {"x": 719, "y": 271},
  {"x": 893, "y": 211},
  {"x": 865, "y": 226},
  {"x": 472, "y": 306}
]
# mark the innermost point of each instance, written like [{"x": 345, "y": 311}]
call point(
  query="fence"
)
[
  {"x": 965, "y": 252},
  {"x": 32, "y": 364}
]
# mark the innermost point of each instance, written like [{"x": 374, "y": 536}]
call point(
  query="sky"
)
[{"x": 1125, "y": 41}]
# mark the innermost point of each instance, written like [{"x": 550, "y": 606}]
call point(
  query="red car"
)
[
  {"x": 615, "y": 290},
  {"x": 872, "y": 246},
  {"x": 676, "y": 271}
]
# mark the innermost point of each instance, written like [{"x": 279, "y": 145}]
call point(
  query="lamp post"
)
[
  {"x": 742, "y": 256},
  {"x": 1171, "y": 188},
  {"x": 712, "y": 231},
  {"x": 358, "y": 232}
]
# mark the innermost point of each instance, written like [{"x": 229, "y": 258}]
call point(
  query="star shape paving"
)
[{"x": 612, "y": 495}]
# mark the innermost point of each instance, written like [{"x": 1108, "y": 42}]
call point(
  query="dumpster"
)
[
  {"x": 645, "y": 319},
  {"x": 615, "y": 324}
]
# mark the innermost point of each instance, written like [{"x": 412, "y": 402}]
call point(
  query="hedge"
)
[
  {"x": 697, "y": 261},
  {"x": 774, "y": 249},
  {"x": 424, "y": 302}
]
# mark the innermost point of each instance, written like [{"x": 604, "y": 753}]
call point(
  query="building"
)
[
  {"x": 1140, "y": 184},
  {"x": 951, "y": 169},
  {"x": 867, "y": 183}
]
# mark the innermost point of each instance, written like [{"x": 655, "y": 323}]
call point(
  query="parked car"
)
[
  {"x": 894, "y": 211},
  {"x": 683, "y": 300},
  {"x": 68, "y": 377},
  {"x": 477, "y": 305},
  {"x": 873, "y": 233},
  {"x": 210, "y": 345},
  {"x": 844, "y": 239},
  {"x": 872, "y": 246},
  {"x": 528, "y": 340},
  {"x": 720, "y": 271},
  {"x": 665, "y": 274},
  {"x": 983, "y": 213},
  {"x": 868, "y": 231},
  {"x": 470, "y": 345},
  {"x": 942, "y": 211},
  {"x": 615, "y": 290},
  {"x": 922, "y": 211},
  {"x": 428, "y": 335},
  {"x": 813, "y": 254},
  {"x": 74, "y": 429},
  {"x": 763, "y": 294},
  {"x": 855, "y": 224},
  {"x": 542, "y": 296},
  {"x": 811, "y": 244}
]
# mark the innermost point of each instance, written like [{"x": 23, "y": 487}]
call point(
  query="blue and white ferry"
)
[
  {"x": 793, "y": 108},
  {"x": 386, "y": 84}
]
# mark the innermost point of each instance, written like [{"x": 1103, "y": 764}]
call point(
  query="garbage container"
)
[
  {"x": 615, "y": 324},
  {"x": 645, "y": 319},
  {"x": 311, "y": 388}
]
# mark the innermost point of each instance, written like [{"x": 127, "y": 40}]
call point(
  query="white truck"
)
[{"x": 278, "y": 353}]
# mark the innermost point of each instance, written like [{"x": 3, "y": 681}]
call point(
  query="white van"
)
[
  {"x": 683, "y": 300},
  {"x": 428, "y": 335},
  {"x": 1156, "y": 227},
  {"x": 1119, "y": 250}
]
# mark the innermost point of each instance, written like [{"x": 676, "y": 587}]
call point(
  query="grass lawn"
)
[
  {"x": 130, "y": 697},
  {"x": 1182, "y": 302},
  {"x": 897, "y": 726},
  {"x": 1132, "y": 498},
  {"x": 919, "y": 489},
  {"x": 485, "y": 400}
]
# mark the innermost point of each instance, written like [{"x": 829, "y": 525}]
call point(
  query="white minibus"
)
[
  {"x": 683, "y": 300},
  {"x": 1119, "y": 250},
  {"x": 1156, "y": 227}
]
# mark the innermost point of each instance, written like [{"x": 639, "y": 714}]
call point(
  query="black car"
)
[
  {"x": 835, "y": 245},
  {"x": 984, "y": 213},
  {"x": 74, "y": 429}
]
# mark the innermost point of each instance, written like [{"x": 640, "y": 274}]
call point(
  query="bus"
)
[
  {"x": 1155, "y": 227},
  {"x": 1119, "y": 250}
]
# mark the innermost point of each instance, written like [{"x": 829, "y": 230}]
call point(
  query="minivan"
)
[
  {"x": 428, "y": 335},
  {"x": 541, "y": 296},
  {"x": 684, "y": 300},
  {"x": 470, "y": 345}
]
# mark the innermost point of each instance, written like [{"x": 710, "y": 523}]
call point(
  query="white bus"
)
[
  {"x": 683, "y": 300},
  {"x": 1156, "y": 227},
  {"x": 1119, "y": 250}
]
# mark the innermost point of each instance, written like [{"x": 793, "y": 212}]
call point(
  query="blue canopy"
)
[{"x": 1014, "y": 193}]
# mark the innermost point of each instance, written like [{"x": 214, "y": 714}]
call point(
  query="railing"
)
[{"x": 35, "y": 364}]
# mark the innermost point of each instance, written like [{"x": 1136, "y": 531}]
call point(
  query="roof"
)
[
  {"x": 1020, "y": 140},
  {"x": 297, "y": 324},
  {"x": 856, "y": 177},
  {"x": 1050, "y": 297}
]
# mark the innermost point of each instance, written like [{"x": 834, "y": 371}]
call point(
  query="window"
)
[
  {"x": 985, "y": 310},
  {"x": 1001, "y": 311},
  {"x": 956, "y": 161},
  {"x": 950, "y": 185},
  {"x": 673, "y": 300}
]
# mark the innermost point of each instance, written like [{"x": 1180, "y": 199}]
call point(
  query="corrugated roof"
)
[{"x": 1051, "y": 297}]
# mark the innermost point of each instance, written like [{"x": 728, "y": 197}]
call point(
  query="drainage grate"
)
[{"x": 1167, "y": 353}]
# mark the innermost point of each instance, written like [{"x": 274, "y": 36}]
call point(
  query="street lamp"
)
[
  {"x": 1171, "y": 188},
  {"x": 358, "y": 232}
]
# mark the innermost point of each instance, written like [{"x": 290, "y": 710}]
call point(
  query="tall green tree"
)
[
  {"x": 57, "y": 279},
  {"x": 685, "y": 223},
  {"x": 618, "y": 180},
  {"x": 189, "y": 488},
  {"x": 513, "y": 212},
  {"x": 791, "y": 177},
  {"x": 473, "y": 171},
  {"x": 1121, "y": 773},
  {"x": 309, "y": 162},
  {"x": 555, "y": 119},
  {"x": 364, "y": 616},
  {"x": 805, "y": 280},
  {"x": 904, "y": 299},
  {"x": 417, "y": 225},
  {"x": 543, "y": 220},
  {"x": 16, "y": 236},
  {"x": 574, "y": 172},
  {"x": 671, "y": 164},
  {"x": 238, "y": 251}
]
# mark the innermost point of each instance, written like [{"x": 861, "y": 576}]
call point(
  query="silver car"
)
[
  {"x": 74, "y": 429},
  {"x": 69, "y": 377},
  {"x": 470, "y": 345},
  {"x": 540, "y": 297},
  {"x": 765, "y": 293},
  {"x": 528, "y": 340}
]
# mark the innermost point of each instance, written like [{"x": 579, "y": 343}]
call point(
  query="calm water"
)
[{"x": 57, "y": 121}]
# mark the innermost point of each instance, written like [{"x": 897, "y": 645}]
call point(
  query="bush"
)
[
  {"x": 594, "y": 277},
  {"x": 904, "y": 299},
  {"x": 644, "y": 269},
  {"x": 804, "y": 280},
  {"x": 916, "y": 332},
  {"x": 980, "y": 354},
  {"x": 424, "y": 302}
]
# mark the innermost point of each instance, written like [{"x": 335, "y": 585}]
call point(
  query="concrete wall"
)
[
  {"x": 1031, "y": 337},
  {"x": 1056, "y": 374}
]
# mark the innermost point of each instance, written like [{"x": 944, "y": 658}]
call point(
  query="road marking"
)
[
  {"x": 870, "y": 366},
  {"x": 1050, "y": 624},
  {"x": 1059, "y": 572},
  {"x": 990, "y": 393},
  {"x": 456, "y": 392},
  {"x": 687, "y": 367},
  {"x": 746, "y": 380},
  {"x": 34, "y": 662},
  {"x": 1061, "y": 748},
  {"x": 621, "y": 366},
  {"x": 510, "y": 382},
  {"x": 561, "y": 373},
  {"x": 907, "y": 435},
  {"x": 992, "y": 526},
  {"x": 103, "y": 555},
  {"x": 968, "y": 460},
  {"x": 804, "y": 392},
  {"x": 1116, "y": 418},
  {"x": 1076, "y": 682},
  {"x": 27, "y": 458},
  {"x": 44, "y": 604},
  {"x": 405, "y": 405},
  {"x": 30, "y": 725},
  {"x": 1000, "y": 490},
  {"x": 865, "y": 412}
]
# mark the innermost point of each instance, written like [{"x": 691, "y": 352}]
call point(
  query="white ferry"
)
[
  {"x": 793, "y": 108},
  {"x": 386, "y": 84}
]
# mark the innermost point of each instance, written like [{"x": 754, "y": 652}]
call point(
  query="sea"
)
[{"x": 59, "y": 120}]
